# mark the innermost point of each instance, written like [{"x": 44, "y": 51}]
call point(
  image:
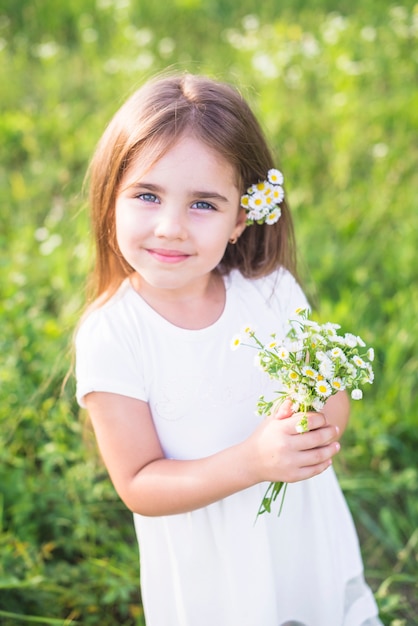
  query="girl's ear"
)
[{"x": 240, "y": 223}]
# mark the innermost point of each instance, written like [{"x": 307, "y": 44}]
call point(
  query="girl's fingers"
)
[
  {"x": 283, "y": 410},
  {"x": 301, "y": 423},
  {"x": 317, "y": 438},
  {"x": 318, "y": 456},
  {"x": 313, "y": 462}
]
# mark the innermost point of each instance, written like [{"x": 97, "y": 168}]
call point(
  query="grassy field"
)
[{"x": 335, "y": 85}]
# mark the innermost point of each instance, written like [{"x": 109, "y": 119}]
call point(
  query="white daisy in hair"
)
[
  {"x": 273, "y": 216},
  {"x": 262, "y": 200},
  {"x": 275, "y": 177}
]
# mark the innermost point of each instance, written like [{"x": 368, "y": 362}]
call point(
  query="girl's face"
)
[{"x": 174, "y": 220}]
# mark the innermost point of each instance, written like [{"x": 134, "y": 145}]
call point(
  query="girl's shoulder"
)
[
  {"x": 106, "y": 312},
  {"x": 278, "y": 292},
  {"x": 280, "y": 284}
]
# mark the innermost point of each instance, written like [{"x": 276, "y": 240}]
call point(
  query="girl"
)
[{"x": 182, "y": 265}]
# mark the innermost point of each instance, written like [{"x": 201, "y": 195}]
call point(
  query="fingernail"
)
[{"x": 338, "y": 446}]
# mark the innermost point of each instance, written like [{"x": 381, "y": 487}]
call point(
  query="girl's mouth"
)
[{"x": 168, "y": 256}]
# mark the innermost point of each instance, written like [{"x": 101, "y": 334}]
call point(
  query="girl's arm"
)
[
  {"x": 150, "y": 484},
  {"x": 337, "y": 410}
]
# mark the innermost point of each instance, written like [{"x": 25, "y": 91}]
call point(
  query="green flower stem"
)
[{"x": 270, "y": 496}]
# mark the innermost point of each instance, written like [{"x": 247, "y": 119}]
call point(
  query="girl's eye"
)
[
  {"x": 147, "y": 197},
  {"x": 205, "y": 206}
]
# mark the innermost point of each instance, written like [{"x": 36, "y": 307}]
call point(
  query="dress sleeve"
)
[
  {"x": 108, "y": 358},
  {"x": 283, "y": 295}
]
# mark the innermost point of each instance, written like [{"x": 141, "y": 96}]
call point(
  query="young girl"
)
[{"x": 183, "y": 264}]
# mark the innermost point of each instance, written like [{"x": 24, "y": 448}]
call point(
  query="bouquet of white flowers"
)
[{"x": 312, "y": 363}]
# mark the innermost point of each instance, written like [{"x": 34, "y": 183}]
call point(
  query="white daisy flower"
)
[
  {"x": 245, "y": 201},
  {"x": 283, "y": 353},
  {"x": 337, "y": 353},
  {"x": 302, "y": 393},
  {"x": 262, "y": 187},
  {"x": 370, "y": 354},
  {"x": 312, "y": 324},
  {"x": 309, "y": 371},
  {"x": 275, "y": 177},
  {"x": 350, "y": 340},
  {"x": 273, "y": 216},
  {"x": 338, "y": 384},
  {"x": 357, "y": 394},
  {"x": 370, "y": 374},
  {"x": 326, "y": 368},
  {"x": 254, "y": 215},
  {"x": 351, "y": 369},
  {"x": 256, "y": 200},
  {"x": 330, "y": 328},
  {"x": 236, "y": 342},
  {"x": 359, "y": 362},
  {"x": 323, "y": 388},
  {"x": 317, "y": 404},
  {"x": 277, "y": 194}
]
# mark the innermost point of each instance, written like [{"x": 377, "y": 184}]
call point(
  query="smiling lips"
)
[{"x": 167, "y": 256}]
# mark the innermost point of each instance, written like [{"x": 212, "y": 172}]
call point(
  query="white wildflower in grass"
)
[{"x": 312, "y": 363}]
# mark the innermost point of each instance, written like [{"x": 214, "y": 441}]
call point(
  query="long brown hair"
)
[{"x": 148, "y": 124}]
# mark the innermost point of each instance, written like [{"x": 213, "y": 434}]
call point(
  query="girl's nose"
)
[{"x": 170, "y": 224}]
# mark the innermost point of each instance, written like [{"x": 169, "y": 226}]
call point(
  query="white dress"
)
[{"x": 218, "y": 566}]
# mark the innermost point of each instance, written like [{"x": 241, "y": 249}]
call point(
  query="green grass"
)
[{"x": 335, "y": 85}]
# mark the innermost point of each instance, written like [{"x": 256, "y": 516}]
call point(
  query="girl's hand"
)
[{"x": 281, "y": 454}]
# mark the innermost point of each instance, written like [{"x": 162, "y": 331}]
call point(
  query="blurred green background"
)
[{"x": 335, "y": 86}]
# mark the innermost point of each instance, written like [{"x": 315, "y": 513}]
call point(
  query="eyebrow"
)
[{"x": 213, "y": 195}]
